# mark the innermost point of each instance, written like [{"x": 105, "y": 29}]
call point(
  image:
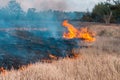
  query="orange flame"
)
[
  {"x": 52, "y": 57},
  {"x": 24, "y": 67},
  {"x": 3, "y": 71},
  {"x": 81, "y": 33}
]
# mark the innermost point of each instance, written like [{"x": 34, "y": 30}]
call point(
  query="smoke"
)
[
  {"x": 43, "y": 4},
  {"x": 3, "y": 3},
  {"x": 62, "y": 5}
]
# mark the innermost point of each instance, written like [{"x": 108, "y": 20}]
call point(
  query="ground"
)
[{"x": 100, "y": 61}]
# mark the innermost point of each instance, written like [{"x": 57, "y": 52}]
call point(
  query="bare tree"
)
[{"x": 107, "y": 18}]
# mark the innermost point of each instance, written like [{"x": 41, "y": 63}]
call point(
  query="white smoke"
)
[
  {"x": 3, "y": 3},
  {"x": 43, "y": 4},
  {"x": 63, "y": 5}
]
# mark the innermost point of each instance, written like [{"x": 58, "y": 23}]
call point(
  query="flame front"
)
[{"x": 82, "y": 33}]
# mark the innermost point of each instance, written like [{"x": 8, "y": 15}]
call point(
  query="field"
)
[{"x": 100, "y": 61}]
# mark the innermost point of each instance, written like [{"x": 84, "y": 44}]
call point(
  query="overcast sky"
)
[{"x": 64, "y": 5}]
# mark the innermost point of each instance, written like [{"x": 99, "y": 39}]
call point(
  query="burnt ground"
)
[{"x": 23, "y": 47}]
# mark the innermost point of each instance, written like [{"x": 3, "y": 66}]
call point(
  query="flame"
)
[
  {"x": 52, "y": 57},
  {"x": 3, "y": 71},
  {"x": 24, "y": 67},
  {"x": 82, "y": 33}
]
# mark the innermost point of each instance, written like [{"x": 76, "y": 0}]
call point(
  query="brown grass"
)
[{"x": 101, "y": 61}]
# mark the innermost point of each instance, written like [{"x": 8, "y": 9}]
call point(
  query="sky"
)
[{"x": 63, "y": 5}]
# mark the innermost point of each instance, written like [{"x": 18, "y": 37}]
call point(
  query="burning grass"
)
[
  {"x": 101, "y": 61},
  {"x": 93, "y": 67},
  {"x": 25, "y": 43},
  {"x": 82, "y": 33}
]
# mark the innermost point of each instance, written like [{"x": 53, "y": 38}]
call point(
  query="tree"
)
[
  {"x": 14, "y": 9},
  {"x": 117, "y": 2},
  {"x": 31, "y": 13},
  {"x": 116, "y": 10},
  {"x": 103, "y": 12},
  {"x": 87, "y": 16}
]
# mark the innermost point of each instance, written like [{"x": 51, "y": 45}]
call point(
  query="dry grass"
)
[
  {"x": 90, "y": 67},
  {"x": 101, "y": 61}
]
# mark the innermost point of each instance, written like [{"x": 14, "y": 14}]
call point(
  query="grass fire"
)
[
  {"x": 59, "y": 40},
  {"x": 102, "y": 58},
  {"x": 44, "y": 49},
  {"x": 82, "y": 33}
]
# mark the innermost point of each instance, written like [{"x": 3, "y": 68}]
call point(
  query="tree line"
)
[
  {"x": 107, "y": 12},
  {"x": 14, "y": 12}
]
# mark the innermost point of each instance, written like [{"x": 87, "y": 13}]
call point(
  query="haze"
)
[{"x": 62, "y": 5}]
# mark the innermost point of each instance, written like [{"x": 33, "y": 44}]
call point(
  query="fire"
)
[
  {"x": 3, "y": 71},
  {"x": 24, "y": 67},
  {"x": 82, "y": 33},
  {"x": 52, "y": 57}
]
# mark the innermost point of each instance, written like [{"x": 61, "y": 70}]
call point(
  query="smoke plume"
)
[
  {"x": 63, "y": 5},
  {"x": 43, "y": 4}
]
